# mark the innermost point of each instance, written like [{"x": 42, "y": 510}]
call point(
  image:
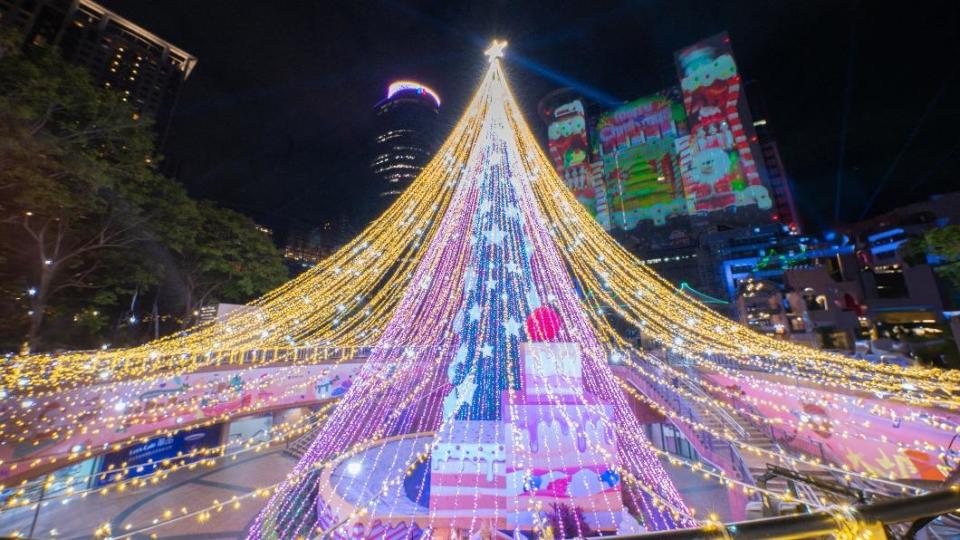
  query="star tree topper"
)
[{"x": 496, "y": 50}]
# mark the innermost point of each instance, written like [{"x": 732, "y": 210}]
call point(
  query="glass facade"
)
[{"x": 406, "y": 132}]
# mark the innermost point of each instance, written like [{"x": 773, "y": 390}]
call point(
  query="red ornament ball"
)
[{"x": 543, "y": 324}]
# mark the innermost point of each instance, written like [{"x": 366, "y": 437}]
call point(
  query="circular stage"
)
[
  {"x": 355, "y": 482},
  {"x": 352, "y": 500}
]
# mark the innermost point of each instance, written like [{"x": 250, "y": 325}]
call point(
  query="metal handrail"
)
[
  {"x": 672, "y": 399},
  {"x": 816, "y": 448},
  {"x": 800, "y": 526},
  {"x": 723, "y": 415}
]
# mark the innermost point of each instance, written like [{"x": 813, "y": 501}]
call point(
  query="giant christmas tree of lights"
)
[
  {"x": 487, "y": 400},
  {"x": 489, "y": 282}
]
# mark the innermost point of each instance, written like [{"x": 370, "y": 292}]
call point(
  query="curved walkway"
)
[{"x": 190, "y": 489}]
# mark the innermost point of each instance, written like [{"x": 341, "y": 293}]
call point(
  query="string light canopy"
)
[{"x": 481, "y": 299}]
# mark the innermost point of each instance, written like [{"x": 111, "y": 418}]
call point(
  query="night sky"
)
[{"x": 276, "y": 118}]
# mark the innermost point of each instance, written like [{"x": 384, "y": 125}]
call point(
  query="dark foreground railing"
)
[{"x": 888, "y": 512}]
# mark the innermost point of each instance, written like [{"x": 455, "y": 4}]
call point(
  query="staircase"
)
[
  {"x": 758, "y": 466},
  {"x": 720, "y": 421},
  {"x": 299, "y": 446},
  {"x": 750, "y": 464},
  {"x": 746, "y": 430}
]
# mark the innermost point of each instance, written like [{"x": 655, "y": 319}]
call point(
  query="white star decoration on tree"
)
[
  {"x": 512, "y": 327},
  {"x": 495, "y": 236},
  {"x": 496, "y": 50}
]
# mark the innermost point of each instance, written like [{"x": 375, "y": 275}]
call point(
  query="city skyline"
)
[
  {"x": 629, "y": 296},
  {"x": 292, "y": 149}
]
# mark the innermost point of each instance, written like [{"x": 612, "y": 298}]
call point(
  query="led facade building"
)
[
  {"x": 406, "y": 133},
  {"x": 687, "y": 150},
  {"x": 144, "y": 69},
  {"x": 684, "y": 177}
]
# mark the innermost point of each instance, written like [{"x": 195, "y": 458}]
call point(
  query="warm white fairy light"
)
[{"x": 418, "y": 284}]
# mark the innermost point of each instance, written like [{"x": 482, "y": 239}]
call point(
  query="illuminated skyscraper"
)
[
  {"x": 406, "y": 134},
  {"x": 144, "y": 69},
  {"x": 781, "y": 189}
]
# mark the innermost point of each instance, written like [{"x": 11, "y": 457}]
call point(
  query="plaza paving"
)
[
  {"x": 198, "y": 488},
  {"x": 191, "y": 489}
]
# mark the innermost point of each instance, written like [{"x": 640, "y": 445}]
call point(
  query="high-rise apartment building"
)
[{"x": 144, "y": 69}]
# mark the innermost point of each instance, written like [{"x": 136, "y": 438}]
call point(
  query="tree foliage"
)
[
  {"x": 229, "y": 259},
  {"x": 88, "y": 223},
  {"x": 943, "y": 245}
]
